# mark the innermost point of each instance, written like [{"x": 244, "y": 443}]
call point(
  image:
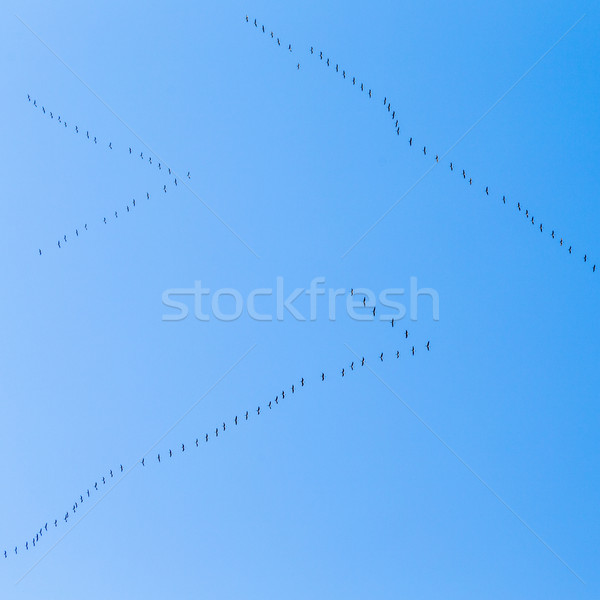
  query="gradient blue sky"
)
[{"x": 341, "y": 492}]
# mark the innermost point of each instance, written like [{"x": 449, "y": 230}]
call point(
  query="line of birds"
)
[
  {"x": 93, "y": 138},
  {"x": 101, "y": 483},
  {"x": 392, "y": 111},
  {"x": 273, "y": 37}
]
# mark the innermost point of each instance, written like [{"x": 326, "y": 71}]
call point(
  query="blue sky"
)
[{"x": 427, "y": 476}]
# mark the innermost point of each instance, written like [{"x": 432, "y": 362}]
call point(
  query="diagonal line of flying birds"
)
[
  {"x": 94, "y": 139},
  {"x": 100, "y": 485},
  {"x": 387, "y": 105}
]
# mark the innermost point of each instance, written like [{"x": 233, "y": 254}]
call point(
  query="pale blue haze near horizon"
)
[{"x": 339, "y": 491}]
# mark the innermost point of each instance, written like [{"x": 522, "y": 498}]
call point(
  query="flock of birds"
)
[
  {"x": 94, "y": 139},
  {"x": 103, "y": 483},
  {"x": 396, "y": 125},
  {"x": 328, "y": 62},
  {"x": 220, "y": 429}
]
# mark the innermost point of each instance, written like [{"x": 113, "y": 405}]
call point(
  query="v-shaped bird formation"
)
[{"x": 109, "y": 147}]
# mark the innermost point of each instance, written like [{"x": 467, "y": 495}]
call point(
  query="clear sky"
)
[{"x": 467, "y": 471}]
